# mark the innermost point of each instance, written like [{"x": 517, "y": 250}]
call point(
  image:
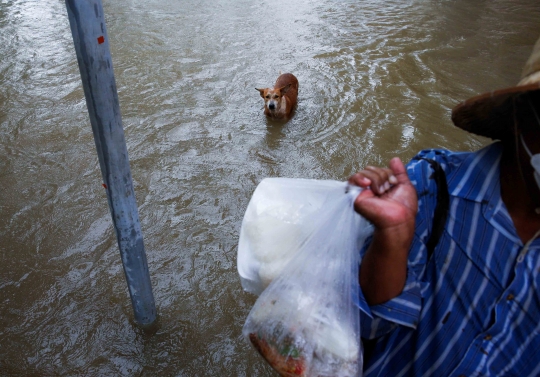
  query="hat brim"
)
[{"x": 492, "y": 114}]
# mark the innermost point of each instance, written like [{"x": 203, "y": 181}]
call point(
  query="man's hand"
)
[
  {"x": 390, "y": 202},
  {"x": 390, "y": 199}
]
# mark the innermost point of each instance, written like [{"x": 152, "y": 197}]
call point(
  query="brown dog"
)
[{"x": 280, "y": 100}]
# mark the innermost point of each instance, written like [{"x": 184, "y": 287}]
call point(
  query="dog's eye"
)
[
  {"x": 276, "y": 97},
  {"x": 268, "y": 96}
]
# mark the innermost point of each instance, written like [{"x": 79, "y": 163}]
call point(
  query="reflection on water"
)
[{"x": 377, "y": 79}]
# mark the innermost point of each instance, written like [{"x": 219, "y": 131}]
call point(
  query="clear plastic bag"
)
[
  {"x": 307, "y": 321},
  {"x": 280, "y": 216}
]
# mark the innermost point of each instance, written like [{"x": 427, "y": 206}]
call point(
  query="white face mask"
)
[{"x": 535, "y": 162}]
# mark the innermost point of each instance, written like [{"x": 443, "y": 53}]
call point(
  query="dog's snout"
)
[{"x": 271, "y": 106}]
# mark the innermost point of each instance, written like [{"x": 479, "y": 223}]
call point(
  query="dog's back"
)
[{"x": 292, "y": 93}]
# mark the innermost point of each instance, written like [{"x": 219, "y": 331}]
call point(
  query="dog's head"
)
[{"x": 272, "y": 97}]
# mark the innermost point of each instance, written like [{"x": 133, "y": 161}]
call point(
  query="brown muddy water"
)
[{"x": 377, "y": 79}]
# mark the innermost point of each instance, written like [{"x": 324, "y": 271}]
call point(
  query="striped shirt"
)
[{"x": 473, "y": 309}]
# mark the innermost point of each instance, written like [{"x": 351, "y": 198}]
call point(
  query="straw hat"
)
[{"x": 492, "y": 114}]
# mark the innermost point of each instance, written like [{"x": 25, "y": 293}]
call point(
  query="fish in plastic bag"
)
[{"x": 307, "y": 321}]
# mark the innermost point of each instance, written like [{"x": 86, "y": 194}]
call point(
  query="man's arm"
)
[{"x": 390, "y": 202}]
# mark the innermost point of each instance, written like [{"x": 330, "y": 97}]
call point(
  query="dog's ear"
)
[
  {"x": 285, "y": 89},
  {"x": 261, "y": 91}
]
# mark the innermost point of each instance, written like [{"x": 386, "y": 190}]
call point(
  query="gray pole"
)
[{"x": 95, "y": 64}]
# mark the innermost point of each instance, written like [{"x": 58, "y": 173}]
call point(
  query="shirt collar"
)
[{"x": 477, "y": 177}]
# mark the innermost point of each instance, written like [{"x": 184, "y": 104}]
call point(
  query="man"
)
[{"x": 472, "y": 306}]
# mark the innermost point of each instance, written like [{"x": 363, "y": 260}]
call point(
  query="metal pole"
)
[{"x": 87, "y": 23}]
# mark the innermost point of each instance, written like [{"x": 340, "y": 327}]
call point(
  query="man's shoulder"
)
[
  {"x": 449, "y": 160},
  {"x": 456, "y": 165},
  {"x": 466, "y": 172}
]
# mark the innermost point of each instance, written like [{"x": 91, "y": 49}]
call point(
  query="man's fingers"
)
[
  {"x": 380, "y": 180},
  {"x": 360, "y": 180}
]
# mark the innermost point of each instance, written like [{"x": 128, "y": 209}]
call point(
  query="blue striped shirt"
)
[{"x": 473, "y": 309}]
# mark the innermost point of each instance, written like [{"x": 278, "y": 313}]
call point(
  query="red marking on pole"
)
[
  {"x": 101, "y": 39},
  {"x": 104, "y": 185}
]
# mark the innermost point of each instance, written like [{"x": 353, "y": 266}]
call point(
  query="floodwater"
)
[{"x": 377, "y": 79}]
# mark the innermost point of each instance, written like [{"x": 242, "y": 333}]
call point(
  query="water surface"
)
[{"x": 377, "y": 79}]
